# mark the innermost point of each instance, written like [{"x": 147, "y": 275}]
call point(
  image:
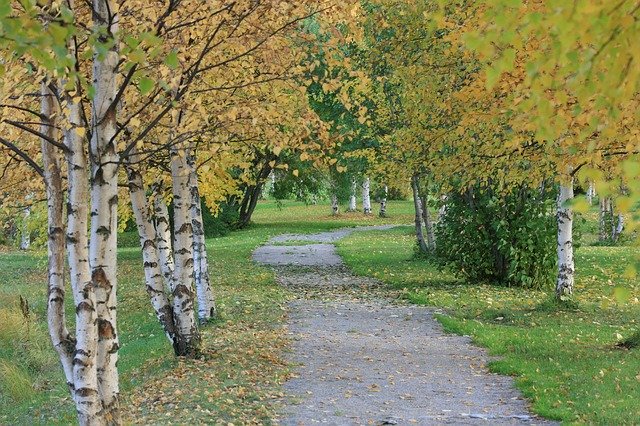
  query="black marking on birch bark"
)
[
  {"x": 113, "y": 201},
  {"x": 114, "y": 348},
  {"x": 57, "y": 290},
  {"x": 105, "y": 330},
  {"x": 183, "y": 251},
  {"x": 151, "y": 291},
  {"x": 148, "y": 243},
  {"x": 188, "y": 262},
  {"x": 84, "y": 306},
  {"x": 186, "y": 227},
  {"x": 182, "y": 290},
  {"x": 104, "y": 231},
  {"x": 71, "y": 239},
  {"x": 98, "y": 178},
  {"x": 150, "y": 264},
  {"x": 70, "y": 210},
  {"x": 99, "y": 278},
  {"x": 86, "y": 392},
  {"x": 55, "y": 232}
]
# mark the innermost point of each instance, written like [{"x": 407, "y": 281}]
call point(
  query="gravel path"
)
[{"x": 363, "y": 360}]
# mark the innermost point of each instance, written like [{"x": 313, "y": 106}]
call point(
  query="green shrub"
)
[{"x": 488, "y": 235}]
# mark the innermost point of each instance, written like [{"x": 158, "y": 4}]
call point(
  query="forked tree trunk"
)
[
  {"x": 62, "y": 340},
  {"x": 206, "y": 300},
  {"x": 85, "y": 374},
  {"x": 335, "y": 207},
  {"x": 417, "y": 205},
  {"x": 366, "y": 196},
  {"x": 566, "y": 268},
  {"x": 352, "y": 199},
  {"x": 188, "y": 341},
  {"x": 155, "y": 282},
  {"x": 383, "y": 202},
  {"x": 104, "y": 208}
]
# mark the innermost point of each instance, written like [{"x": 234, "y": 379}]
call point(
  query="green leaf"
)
[
  {"x": 146, "y": 85},
  {"x": 172, "y": 60}
]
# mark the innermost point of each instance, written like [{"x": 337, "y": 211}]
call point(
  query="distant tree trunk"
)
[
  {"x": 591, "y": 193},
  {"x": 607, "y": 223},
  {"x": 428, "y": 224},
  {"x": 335, "y": 206},
  {"x": 417, "y": 205},
  {"x": 352, "y": 199},
  {"x": 206, "y": 301},
  {"x": 251, "y": 194},
  {"x": 62, "y": 340},
  {"x": 188, "y": 340},
  {"x": 366, "y": 196},
  {"x": 443, "y": 207},
  {"x": 383, "y": 202},
  {"x": 618, "y": 228},
  {"x": 25, "y": 237},
  {"x": 566, "y": 268}
]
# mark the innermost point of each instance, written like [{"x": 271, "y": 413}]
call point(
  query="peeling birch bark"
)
[
  {"x": 566, "y": 267},
  {"x": 366, "y": 196},
  {"x": 204, "y": 292}
]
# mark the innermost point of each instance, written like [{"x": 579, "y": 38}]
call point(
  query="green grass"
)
[
  {"x": 237, "y": 381},
  {"x": 565, "y": 359}
]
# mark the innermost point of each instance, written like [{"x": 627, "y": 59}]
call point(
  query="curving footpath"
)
[{"x": 362, "y": 360}]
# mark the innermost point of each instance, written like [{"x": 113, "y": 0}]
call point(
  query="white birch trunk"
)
[
  {"x": 104, "y": 208},
  {"x": 188, "y": 341},
  {"x": 335, "y": 207},
  {"x": 417, "y": 205},
  {"x": 352, "y": 199},
  {"x": 85, "y": 375},
  {"x": 204, "y": 292},
  {"x": 154, "y": 280},
  {"x": 163, "y": 239},
  {"x": 62, "y": 340},
  {"x": 366, "y": 196},
  {"x": 566, "y": 267}
]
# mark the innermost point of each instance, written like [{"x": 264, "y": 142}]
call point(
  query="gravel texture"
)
[{"x": 362, "y": 360}]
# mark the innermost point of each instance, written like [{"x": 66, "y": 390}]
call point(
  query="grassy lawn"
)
[
  {"x": 238, "y": 378},
  {"x": 565, "y": 360}
]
